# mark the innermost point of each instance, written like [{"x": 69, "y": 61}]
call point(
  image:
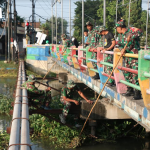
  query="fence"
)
[{"x": 84, "y": 54}]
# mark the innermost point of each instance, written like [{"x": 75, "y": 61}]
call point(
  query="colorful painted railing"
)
[
  {"x": 144, "y": 75},
  {"x": 143, "y": 71}
]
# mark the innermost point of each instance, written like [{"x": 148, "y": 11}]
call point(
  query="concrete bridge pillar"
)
[{"x": 93, "y": 124}]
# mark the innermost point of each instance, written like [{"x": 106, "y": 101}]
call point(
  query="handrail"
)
[
  {"x": 128, "y": 55},
  {"x": 146, "y": 74},
  {"x": 147, "y": 57},
  {"x": 131, "y": 85}
]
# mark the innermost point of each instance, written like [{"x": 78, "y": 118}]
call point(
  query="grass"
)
[{"x": 8, "y": 73}]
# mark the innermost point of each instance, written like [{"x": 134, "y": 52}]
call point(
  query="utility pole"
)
[
  {"x": 62, "y": 24},
  {"x": 129, "y": 13},
  {"x": 56, "y": 20},
  {"x": 52, "y": 23},
  {"x": 83, "y": 23},
  {"x": 15, "y": 30},
  {"x": 116, "y": 15},
  {"x": 104, "y": 15},
  {"x": 8, "y": 31},
  {"x": 70, "y": 16},
  {"x": 6, "y": 37},
  {"x": 11, "y": 37},
  {"x": 33, "y": 12},
  {"x": 147, "y": 22}
]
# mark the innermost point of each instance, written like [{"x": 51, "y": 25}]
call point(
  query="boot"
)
[
  {"x": 96, "y": 76},
  {"x": 137, "y": 95},
  {"x": 129, "y": 92}
]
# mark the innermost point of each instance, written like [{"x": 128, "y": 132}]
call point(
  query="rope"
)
[
  {"x": 103, "y": 88},
  {"x": 20, "y": 144}
]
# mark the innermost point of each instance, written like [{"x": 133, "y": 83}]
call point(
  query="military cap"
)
[
  {"x": 63, "y": 36},
  {"x": 31, "y": 78},
  {"x": 120, "y": 23},
  {"x": 70, "y": 84},
  {"x": 100, "y": 28},
  {"x": 88, "y": 24}
]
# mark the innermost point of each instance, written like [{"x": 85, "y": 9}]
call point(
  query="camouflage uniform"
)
[
  {"x": 93, "y": 39},
  {"x": 36, "y": 95},
  {"x": 67, "y": 42},
  {"x": 107, "y": 57},
  {"x": 133, "y": 47},
  {"x": 68, "y": 93}
]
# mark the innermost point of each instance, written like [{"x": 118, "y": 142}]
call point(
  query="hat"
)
[
  {"x": 88, "y": 24},
  {"x": 63, "y": 36},
  {"x": 31, "y": 78},
  {"x": 120, "y": 23},
  {"x": 100, "y": 28},
  {"x": 70, "y": 84}
]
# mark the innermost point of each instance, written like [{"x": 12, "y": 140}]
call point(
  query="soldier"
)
[
  {"x": 107, "y": 43},
  {"x": 37, "y": 95},
  {"x": 92, "y": 41},
  {"x": 66, "y": 42},
  {"x": 128, "y": 35},
  {"x": 67, "y": 94}
]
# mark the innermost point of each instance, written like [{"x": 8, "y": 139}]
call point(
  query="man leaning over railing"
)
[
  {"x": 92, "y": 41},
  {"x": 67, "y": 42},
  {"x": 106, "y": 43},
  {"x": 128, "y": 35}
]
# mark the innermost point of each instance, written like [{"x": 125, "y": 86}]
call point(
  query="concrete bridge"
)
[{"x": 114, "y": 106}]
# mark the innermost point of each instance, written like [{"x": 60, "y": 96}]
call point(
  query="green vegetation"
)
[
  {"x": 66, "y": 137},
  {"x": 94, "y": 9},
  {"x": 4, "y": 139},
  {"x": 5, "y": 104},
  {"x": 90, "y": 9},
  {"x": 46, "y": 27},
  {"x": 8, "y": 73},
  {"x": 60, "y": 135}
]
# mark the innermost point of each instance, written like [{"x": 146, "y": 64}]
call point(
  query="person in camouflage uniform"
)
[
  {"x": 92, "y": 42},
  {"x": 133, "y": 47},
  {"x": 37, "y": 95},
  {"x": 66, "y": 42},
  {"x": 106, "y": 43},
  {"x": 67, "y": 95}
]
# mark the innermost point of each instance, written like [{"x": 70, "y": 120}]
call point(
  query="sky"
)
[{"x": 43, "y": 8}]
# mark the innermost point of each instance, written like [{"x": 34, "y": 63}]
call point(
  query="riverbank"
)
[{"x": 11, "y": 70}]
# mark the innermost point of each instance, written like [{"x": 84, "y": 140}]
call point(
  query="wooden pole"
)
[{"x": 103, "y": 89}]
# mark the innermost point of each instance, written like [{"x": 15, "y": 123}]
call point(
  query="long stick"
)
[
  {"x": 49, "y": 70},
  {"x": 47, "y": 86},
  {"x": 52, "y": 66},
  {"x": 103, "y": 89}
]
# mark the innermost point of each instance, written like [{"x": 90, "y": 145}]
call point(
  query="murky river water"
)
[{"x": 7, "y": 87}]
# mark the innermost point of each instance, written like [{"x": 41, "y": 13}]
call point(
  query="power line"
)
[
  {"x": 43, "y": 8},
  {"x": 46, "y": 5}
]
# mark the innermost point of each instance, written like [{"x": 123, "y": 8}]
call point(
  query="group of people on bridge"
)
[
  {"x": 101, "y": 37},
  {"x": 104, "y": 39}
]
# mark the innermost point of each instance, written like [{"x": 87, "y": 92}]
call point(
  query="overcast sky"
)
[{"x": 43, "y": 8}]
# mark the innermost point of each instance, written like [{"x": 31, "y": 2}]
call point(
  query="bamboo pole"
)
[{"x": 103, "y": 89}]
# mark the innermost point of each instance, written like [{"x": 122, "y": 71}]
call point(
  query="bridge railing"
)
[{"x": 143, "y": 72}]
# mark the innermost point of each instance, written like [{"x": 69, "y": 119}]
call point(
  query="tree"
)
[
  {"x": 123, "y": 12},
  {"x": 47, "y": 27},
  {"x": 90, "y": 9}
]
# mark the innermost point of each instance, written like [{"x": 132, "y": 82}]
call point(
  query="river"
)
[{"x": 7, "y": 87}]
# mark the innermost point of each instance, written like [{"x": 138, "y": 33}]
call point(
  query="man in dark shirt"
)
[
  {"x": 107, "y": 43},
  {"x": 67, "y": 94}
]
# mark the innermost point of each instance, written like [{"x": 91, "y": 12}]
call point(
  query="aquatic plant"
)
[{"x": 5, "y": 104}]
